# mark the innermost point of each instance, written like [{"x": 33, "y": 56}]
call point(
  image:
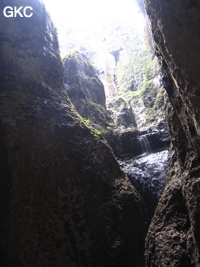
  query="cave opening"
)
[
  {"x": 113, "y": 78},
  {"x": 65, "y": 198}
]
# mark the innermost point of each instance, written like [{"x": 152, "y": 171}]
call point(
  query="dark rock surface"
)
[
  {"x": 174, "y": 234},
  {"x": 132, "y": 143},
  {"x": 144, "y": 158},
  {"x": 81, "y": 80},
  {"x": 64, "y": 199},
  {"x": 84, "y": 89},
  {"x": 148, "y": 173},
  {"x": 122, "y": 114},
  {"x": 138, "y": 152}
]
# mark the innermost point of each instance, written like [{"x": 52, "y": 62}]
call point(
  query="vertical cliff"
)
[
  {"x": 64, "y": 199},
  {"x": 143, "y": 155},
  {"x": 85, "y": 89},
  {"x": 174, "y": 235}
]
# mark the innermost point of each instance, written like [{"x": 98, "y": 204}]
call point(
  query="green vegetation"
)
[
  {"x": 87, "y": 121},
  {"x": 73, "y": 53},
  {"x": 96, "y": 133},
  {"x": 133, "y": 72},
  {"x": 90, "y": 63},
  {"x": 149, "y": 71},
  {"x": 159, "y": 103},
  {"x": 70, "y": 52},
  {"x": 149, "y": 94}
]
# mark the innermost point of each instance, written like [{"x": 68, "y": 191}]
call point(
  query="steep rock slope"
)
[
  {"x": 79, "y": 74},
  {"x": 117, "y": 48},
  {"x": 64, "y": 200},
  {"x": 85, "y": 89},
  {"x": 142, "y": 154},
  {"x": 173, "y": 238}
]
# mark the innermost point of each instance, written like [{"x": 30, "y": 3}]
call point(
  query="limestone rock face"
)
[
  {"x": 122, "y": 114},
  {"x": 85, "y": 89},
  {"x": 138, "y": 152},
  {"x": 64, "y": 200},
  {"x": 81, "y": 80},
  {"x": 141, "y": 154},
  {"x": 173, "y": 237}
]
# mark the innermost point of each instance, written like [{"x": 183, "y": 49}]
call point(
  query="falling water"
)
[{"x": 145, "y": 146}]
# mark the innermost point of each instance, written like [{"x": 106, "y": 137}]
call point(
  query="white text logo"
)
[{"x": 21, "y": 11}]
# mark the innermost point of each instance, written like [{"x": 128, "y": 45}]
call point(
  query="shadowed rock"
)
[
  {"x": 174, "y": 236},
  {"x": 64, "y": 199},
  {"x": 85, "y": 90}
]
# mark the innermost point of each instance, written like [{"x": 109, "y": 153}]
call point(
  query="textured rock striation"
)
[
  {"x": 85, "y": 89},
  {"x": 174, "y": 235},
  {"x": 64, "y": 200},
  {"x": 143, "y": 154},
  {"x": 80, "y": 78}
]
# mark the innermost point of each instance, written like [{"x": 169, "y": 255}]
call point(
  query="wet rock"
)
[
  {"x": 125, "y": 144},
  {"x": 148, "y": 173},
  {"x": 158, "y": 140},
  {"x": 131, "y": 143}
]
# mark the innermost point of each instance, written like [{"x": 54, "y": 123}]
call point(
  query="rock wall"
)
[
  {"x": 85, "y": 89},
  {"x": 64, "y": 200},
  {"x": 174, "y": 235},
  {"x": 80, "y": 78},
  {"x": 143, "y": 154}
]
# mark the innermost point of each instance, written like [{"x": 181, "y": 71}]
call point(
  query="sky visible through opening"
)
[
  {"x": 81, "y": 13},
  {"x": 82, "y": 17}
]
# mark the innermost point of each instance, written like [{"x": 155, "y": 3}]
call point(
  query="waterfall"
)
[{"x": 145, "y": 146}]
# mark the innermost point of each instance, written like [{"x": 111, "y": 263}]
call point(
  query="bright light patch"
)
[
  {"x": 88, "y": 13},
  {"x": 86, "y": 23}
]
